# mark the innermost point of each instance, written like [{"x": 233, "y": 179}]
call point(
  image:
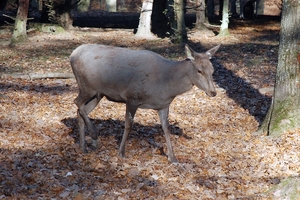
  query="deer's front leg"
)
[{"x": 163, "y": 115}]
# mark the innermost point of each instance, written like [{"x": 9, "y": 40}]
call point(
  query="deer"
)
[{"x": 138, "y": 78}]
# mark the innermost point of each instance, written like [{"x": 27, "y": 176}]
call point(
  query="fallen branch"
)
[
  {"x": 212, "y": 26},
  {"x": 51, "y": 75},
  {"x": 33, "y": 76}
]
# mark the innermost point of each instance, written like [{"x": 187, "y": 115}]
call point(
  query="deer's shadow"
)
[
  {"x": 242, "y": 92},
  {"x": 111, "y": 127}
]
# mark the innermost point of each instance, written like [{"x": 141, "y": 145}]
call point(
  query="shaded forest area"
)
[
  {"x": 95, "y": 19},
  {"x": 220, "y": 157}
]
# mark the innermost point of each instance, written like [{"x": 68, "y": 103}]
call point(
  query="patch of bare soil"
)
[{"x": 220, "y": 157}]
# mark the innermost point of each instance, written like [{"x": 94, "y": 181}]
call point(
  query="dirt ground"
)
[{"x": 219, "y": 155}]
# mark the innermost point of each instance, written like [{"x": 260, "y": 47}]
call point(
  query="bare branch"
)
[{"x": 10, "y": 17}]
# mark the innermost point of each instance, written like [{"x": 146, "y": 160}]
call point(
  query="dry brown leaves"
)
[{"x": 220, "y": 157}]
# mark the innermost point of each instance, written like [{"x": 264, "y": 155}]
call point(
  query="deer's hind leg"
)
[{"x": 86, "y": 103}]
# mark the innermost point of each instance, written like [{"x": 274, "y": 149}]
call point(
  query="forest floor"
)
[{"x": 213, "y": 138}]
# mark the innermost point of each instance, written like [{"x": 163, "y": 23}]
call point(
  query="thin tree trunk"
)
[
  {"x": 20, "y": 32},
  {"x": 144, "y": 29},
  {"x": 284, "y": 113},
  {"x": 180, "y": 31},
  {"x": 225, "y": 20},
  {"x": 200, "y": 15}
]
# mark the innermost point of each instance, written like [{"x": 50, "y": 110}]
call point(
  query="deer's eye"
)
[{"x": 199, "y": 71}]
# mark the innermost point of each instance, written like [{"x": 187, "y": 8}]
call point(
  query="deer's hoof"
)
[
  {"x": 172, "y": 159},
  {"x": 121, "y": 154},
  {"x": 94, "y": 144},
  {"x": 84, "y": 150}
]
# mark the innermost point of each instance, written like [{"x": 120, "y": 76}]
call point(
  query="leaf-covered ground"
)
[{"x": 220, "y": 157}]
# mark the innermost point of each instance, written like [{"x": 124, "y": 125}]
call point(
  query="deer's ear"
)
[
  {"x": 212, "y": 51},
  {"x": 190, "y": 54}
]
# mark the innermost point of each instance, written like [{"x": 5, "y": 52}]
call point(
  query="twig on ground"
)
[{"x": 33, "y": 76}]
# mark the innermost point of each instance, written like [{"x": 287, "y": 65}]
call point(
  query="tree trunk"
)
[
  {"x": 20, "y": 32},
  {"x": 225, "y": 20},
  {"x": 200, "y": 15},
  {"x": 144, "y": 29},
  {"x": 284, "y": 113},
  {"x": 180, "y": 36}
]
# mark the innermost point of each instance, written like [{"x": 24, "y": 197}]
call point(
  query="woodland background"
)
[{"x": 214, "y": 139}]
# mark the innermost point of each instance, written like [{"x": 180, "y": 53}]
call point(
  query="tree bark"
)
[
  {"x": 225, "y": 20},
  {"x": 180, "y": 36},
  {"x": 284, "y": 113},
  {"x": 20, "y": 32},
  {"x": 200, "y": 15},
  {"x": 144, "y": 28}
]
